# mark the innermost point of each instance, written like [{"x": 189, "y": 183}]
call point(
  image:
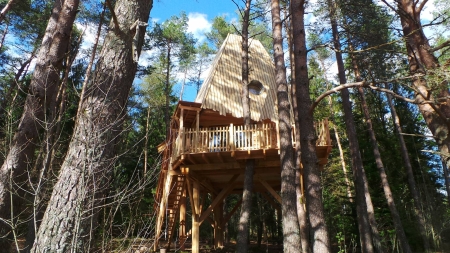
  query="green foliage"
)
[{"x": 219, "y": 31}]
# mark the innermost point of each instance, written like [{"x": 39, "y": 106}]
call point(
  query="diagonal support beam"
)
[
  {"x": 228, "y": 217},
  {"x": 219, "y": 197},
  {"x": 270, "y": 189}
]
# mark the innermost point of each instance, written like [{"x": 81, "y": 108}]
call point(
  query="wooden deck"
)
[{"x": 213, "y": 159}]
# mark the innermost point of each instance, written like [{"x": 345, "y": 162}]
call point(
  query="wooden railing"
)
[{"x": 235, "y": 138}]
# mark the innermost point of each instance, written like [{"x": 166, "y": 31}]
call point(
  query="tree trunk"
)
[
  {"x": 70, "y": 219},
  {"x": 167, "y": 92},
  {"x": 301, "y": 212},
  {"x": 364, "y": 207},
  {"x": 242, "y": 241},
  {"x": 43, "y": 87},
  {"x": 409, "y": 172},
  {"x": 319, "y": 234},
  {"x": 291, "y": 237},
  {"x": 380, "y": 166},
  {"x": 446, "y": 178}
]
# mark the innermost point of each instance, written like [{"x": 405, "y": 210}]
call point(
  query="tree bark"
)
[
  {"x": 70, "y": 219},
  {"x": 364, "y": 206},
  {"x": 242, "y": 241},
  {"x": 301, "y": 212},
  {"x": 319, "y": 235},
  {"x": 43, "y": 87},
  {"x": 291, "y": 237}
]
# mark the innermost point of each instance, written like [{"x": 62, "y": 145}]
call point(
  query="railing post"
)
[
  {"x": 231, "y": 130},
  {"x": 278, "y": 135},
  {"x": 182, "y": 135},
  {"x": 197, "y": 127}
]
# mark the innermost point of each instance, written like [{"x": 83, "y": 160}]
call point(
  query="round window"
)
[{"x": 255, "y": 87}]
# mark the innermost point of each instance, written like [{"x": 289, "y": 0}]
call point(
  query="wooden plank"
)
[
  {"x": 228, "y": 217},
  {"x": 270, "y": 189},
  {"x": 219, "y": 197},
  {"x": 195, "y": 219}
]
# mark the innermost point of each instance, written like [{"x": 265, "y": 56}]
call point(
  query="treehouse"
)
[{"x": 208, "y": 146}]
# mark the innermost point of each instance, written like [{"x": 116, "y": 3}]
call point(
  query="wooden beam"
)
[
  {"x": 189, "y": 108},
  {"x": 228, "y": 217},
  {"x": 182, "y": 228},
  {"x": 270, "y": 189},
  {"x": 191, "y": 196},
  {"x": 270, "y": 200},
  {"x": 220, "y": 197},
  {"x": 195, "y": 219}
]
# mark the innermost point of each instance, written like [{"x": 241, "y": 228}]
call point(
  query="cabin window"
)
[{"x": 255, "y": 87}]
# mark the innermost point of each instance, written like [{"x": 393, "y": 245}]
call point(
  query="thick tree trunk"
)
[
  {"x": 291, "y": 237},
  {"x": 301, "y": 212},
  {"x": 242, "y": 241},
  {"x": 70, "y": 219},
  {"x": 380, "y": 166},
  {"x": 319, "y": 234},
  {"x": 422, "y": 61},
  {"x": 410, "y": 174},
  {"x": 41, "y": 96},
  {"x": 364, "y": 208}
]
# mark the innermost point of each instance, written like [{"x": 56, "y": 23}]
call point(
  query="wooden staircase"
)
[{"x": 173, "y": 205}]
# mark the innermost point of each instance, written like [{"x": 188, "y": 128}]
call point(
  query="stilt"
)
[
  {"x": 218, "y": 229},
  {"x": 195, "y": 218},
  {"x": 182, "y": 228}
]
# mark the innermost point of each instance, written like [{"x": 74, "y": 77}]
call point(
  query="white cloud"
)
[{"x": 198, "y": 24}]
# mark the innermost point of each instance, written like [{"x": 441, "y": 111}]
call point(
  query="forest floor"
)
[{"x": 206, "y": 247}]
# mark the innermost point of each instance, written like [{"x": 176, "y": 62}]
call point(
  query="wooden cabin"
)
[{"x": 208, "y": 146}]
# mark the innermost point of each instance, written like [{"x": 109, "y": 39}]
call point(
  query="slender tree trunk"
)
[
  {"x": 344, "y": 166},
  {"x": 167, "y": 92},
  {"x": 410, "y": 174},
  {"x": 6, "y": 9},
  {"x": 2, "y": 41},
  {"x": 319, "y": 234},
  {"x": 70, "y": 219},
  {"x": 446, "y": 179},
  {"x": 301, "y": 212},
  {"x": 366, "y": 225},
  {"x": 291, "y": 237},
  {"x": 380, "y": 166},
  {"x": 41, "y": 96},
  {"x": 242, "y": 241}
]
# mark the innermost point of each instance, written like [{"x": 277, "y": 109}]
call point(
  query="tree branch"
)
[
  {"x": 422, "y": 4},
  {"x": 113, "y": 14},
  {"x": 444, "y": 44},
  {"x": 370, "y": 85}
]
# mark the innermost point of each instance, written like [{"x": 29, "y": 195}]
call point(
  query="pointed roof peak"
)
[{"x": 221, "y": 90}]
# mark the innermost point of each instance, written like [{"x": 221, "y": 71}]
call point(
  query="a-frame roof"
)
[{"x": 221, "y": 90}]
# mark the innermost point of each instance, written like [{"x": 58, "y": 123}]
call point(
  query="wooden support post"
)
[
  {"x": 182, "y": 228},
  {"x": 181, "y": 133},
  {"x": 218, "y": 229},
  {"x": 220, "y": 197},
  {"x": 197, "y": 129},
  {"x": 195, "y": 218}
]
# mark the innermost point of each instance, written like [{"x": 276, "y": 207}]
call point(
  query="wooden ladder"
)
[{"x": 173, "y": 205}]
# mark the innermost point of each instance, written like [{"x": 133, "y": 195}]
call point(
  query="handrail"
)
[{"x": 235, "y": 138}]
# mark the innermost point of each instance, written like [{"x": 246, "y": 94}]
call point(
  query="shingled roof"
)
[{"x": 221, "y": 90}]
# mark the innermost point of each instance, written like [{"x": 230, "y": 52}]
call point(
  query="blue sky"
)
[{"x": 200, "y": 14}]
